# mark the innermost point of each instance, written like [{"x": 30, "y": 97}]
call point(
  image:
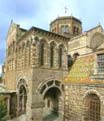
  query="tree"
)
[
  {"x": 3, "y": 108},
  {"x": 0, "y": 79}
]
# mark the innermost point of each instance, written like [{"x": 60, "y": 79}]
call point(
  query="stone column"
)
[
  {"x": 8, "y": 106},
  {"x": 17, "y": 113},
  {"x": 37, "y": 107},
  {"x": 56, "y": 58},
  {"x": 64, "y": 59},
  {"x": 33, "y": 52},
  {"x": 48, "y": 56}
]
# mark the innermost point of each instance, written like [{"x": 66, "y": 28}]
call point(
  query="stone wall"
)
[
  {"x": 75, "y": 94},
  {"x": 40, "y": 77}
]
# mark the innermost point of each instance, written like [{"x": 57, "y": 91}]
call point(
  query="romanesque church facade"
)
[{"x": 55, "y": 75}]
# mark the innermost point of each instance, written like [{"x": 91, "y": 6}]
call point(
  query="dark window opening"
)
[
  {"x": 100, "y": 63},
  {"x": 50, "y": 83},
  {"x": 22, "y": 100},
  {"x": 42, "y": 54},
  {"x": 52, "y": 56},
  {"x": 48, "y": 103},
  {"x": 64, "y": 29},
  {"x": 60, "y": 57}
]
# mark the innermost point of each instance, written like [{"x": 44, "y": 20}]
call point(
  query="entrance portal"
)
[
  {"x": 52, "y": 107},
  {"x": 52, "y": 94}
]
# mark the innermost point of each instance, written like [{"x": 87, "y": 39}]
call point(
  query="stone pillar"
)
[
  {"x": 37, "y": 45},
  {"x": 102, "y": 109},
  {"x": 37, "y": 108},
  {"x": 48, "y": 56},
  {"x": 17, "y": 113},
  {"x": 33, "y": 54},
  {"x": 56, "y": 58},
  {"x": 8, "y": 106},
  {"x": 45, "y": 55},
  {"x": 64, "y": 59}
]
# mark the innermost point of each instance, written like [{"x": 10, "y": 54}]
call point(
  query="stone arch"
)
[
  {"x": 53, "y": 96},
  {"x": 64, "y": 46},
  {"x": 92, "y": 91},
  {"x": 53, "y": 54},
  {"x": 22, "y": 81},
  {"x": 36, "y": 38},
  {"x": 49, "y": 84},
  {"x": 43, "y": 40},
  {"x": 92, "y": 106},
  {"x": 22, "y": 95},
  {"x": 52, "y": 41},
  {"x": 61, "y": 55},
  {"x": 43, "y": 53}
]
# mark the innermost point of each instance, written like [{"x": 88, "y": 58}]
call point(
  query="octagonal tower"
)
[{"x": 68, "y": 26}]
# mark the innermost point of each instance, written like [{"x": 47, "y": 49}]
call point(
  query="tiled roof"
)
[
  {"x": 65, "y": 18},
  {"x": 81, "y": 70}
]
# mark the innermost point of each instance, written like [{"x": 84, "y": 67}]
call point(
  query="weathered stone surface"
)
[{"x": 35, "y": 78}]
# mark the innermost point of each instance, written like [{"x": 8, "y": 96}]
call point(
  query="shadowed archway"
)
[
  {"x": 51, "y": 109},
  {"x": 52, "y": 92}
]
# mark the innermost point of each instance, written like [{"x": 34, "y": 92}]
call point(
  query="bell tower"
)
[{"x": 68, "y": 26}]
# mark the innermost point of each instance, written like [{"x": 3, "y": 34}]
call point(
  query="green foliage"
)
[
  {"x": 0, "y": 78},
  {"x": 3, "y": 108}
]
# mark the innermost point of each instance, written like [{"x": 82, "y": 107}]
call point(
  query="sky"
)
[{"x": 40, "y": 13}]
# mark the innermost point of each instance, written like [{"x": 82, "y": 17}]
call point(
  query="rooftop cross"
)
[{"x": 66, "y": 9}]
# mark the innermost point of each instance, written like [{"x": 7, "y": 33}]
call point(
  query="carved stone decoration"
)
[
  {"x": 96, "y": 41},
  {"x": 22, "y": 82}
]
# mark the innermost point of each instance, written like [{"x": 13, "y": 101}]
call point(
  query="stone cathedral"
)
[{"x": 55, "y": 75}]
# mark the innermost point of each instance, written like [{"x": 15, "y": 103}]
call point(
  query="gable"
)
[
  {"x": 96, "y": 40},
  {"x": 12, "y": 33}
]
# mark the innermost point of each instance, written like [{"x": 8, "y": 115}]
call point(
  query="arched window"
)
[
  {"x": 92, "y": 108},
  {"x": 100, "y": 63},
  {"x": 52, "y": 47},
  {"x": 64, "y": 29},
  {"x": 41, "y": 58},
  {"x": 13, "y": 46},
  {"x": 60, "y": 55},
  {"x": 22, "y": 99}
]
